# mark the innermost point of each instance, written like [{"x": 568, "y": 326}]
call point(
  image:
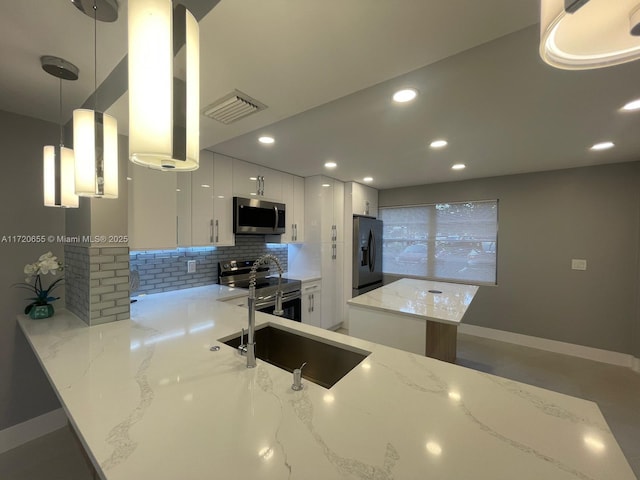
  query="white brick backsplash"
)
[
  {"x": 167, "y": 270},
  {"x": 97, "y": 282}
]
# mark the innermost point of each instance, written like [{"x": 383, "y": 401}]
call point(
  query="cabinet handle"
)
[
  {"x": 293, "y": 230},
  {"x": 313, "y": 302},
  {"x": 217, "y": 231},
  {"x": 311, "y": 287},
  {"x": 309, "y": 307},
  {"x": 261, "y": 185},
  {"x": 211, "y": 231}
]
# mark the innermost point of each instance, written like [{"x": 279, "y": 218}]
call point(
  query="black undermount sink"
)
[{"x": 326, "y": 362}]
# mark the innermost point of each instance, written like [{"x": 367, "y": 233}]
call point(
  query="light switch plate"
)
[
  {"x": 191, "y": 266},
  {"x": 578, "y": 264}
]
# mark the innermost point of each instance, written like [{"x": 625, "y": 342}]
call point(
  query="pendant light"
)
[
  {"x": 584, "y": 34},
  {"x": 164, "y": 112},
  {"x": 58, "y": 160},
  {"x": 95, "y": 142}
]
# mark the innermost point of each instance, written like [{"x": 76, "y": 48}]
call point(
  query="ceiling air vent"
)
[{"x": 233, "y": 107}]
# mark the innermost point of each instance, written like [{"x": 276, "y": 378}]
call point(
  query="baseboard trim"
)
[
  {"x": 589, "y": 353},
  {"x": 24, "y": 432},
  {"x": 635, "y": 366}
]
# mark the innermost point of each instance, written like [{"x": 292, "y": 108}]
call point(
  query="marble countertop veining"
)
[
  {"x": 150, "y": 400},
  {"x": 413, "y": 297}
]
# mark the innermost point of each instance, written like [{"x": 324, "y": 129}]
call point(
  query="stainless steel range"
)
[{"x": 235, "y": 273}]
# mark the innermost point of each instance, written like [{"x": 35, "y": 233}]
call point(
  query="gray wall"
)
[
  {"x": 545, "y": 220},
  {"x": 24, "y": 391}
]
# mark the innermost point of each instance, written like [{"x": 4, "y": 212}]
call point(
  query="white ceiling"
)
[{"x": 326, "y": 70}]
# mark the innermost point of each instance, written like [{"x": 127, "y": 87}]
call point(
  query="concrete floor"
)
[{"x": 615, "y": 389}]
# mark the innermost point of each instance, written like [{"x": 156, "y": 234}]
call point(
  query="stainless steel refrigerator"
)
[{"x": 367, "y": 254}]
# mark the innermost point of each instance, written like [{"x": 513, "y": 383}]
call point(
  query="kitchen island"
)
[
  {"x": 419, "y": 316},
  {"x": 148, "y": 398}
]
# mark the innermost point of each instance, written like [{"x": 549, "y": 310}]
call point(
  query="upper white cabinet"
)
[
  {"x": 293, "y": 198},
  {"x": 183, "y": 198},
  {"x": 250, "y": 180},
  {"x": 364, "y": 199},
  {"x": 223, "y": 200},
  {"x": 212, "y": 201},
  {"x": 325, "y": 206},
  {"x": 152, "y": 209}
]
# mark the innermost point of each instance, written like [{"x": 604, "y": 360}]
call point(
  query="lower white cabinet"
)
[{"x": 311, "y": 303}]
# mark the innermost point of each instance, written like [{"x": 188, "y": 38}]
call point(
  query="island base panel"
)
[{"x": 441, "y": 341}]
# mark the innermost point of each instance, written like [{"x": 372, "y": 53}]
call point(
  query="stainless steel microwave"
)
[{"x": 259, "y": 217}]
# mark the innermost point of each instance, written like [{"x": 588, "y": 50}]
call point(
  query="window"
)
[{"x": 445, "y": 241}]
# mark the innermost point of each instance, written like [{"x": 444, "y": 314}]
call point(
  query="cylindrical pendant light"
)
[
  {"x": 58, "y": 161},
  {"x": 164, "y": 117},
  {"x": 584, "y": 34},
  {"x": 95, "y": 142}
]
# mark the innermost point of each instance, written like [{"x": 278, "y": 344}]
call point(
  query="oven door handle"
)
[{"x": 270, "y": 301}]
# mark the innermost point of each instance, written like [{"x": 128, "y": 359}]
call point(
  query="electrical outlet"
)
[
  {"x": 578, "y": 264},
  {"x": 191, "y": 266}
]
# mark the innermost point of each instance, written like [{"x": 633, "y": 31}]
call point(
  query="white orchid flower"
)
[
  {"x": 45, "y": 256},
  {"x": 30, "y": 268}
]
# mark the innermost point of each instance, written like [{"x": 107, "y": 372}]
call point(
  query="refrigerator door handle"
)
[{"x": 372, "y": 251}]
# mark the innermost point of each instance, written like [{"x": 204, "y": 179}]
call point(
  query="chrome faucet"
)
[{"x": 250, "y": 348}]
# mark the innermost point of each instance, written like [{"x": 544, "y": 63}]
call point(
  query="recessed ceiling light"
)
[
  {"x": 602, "y": 146},
  {"x": 438, "y": 144},
  {"x": 632, "y": 106},
  {"x": 129, "y": 179},
  {"x": 205, "y": 186},
  {"x": 459, "y": 166},
  {"x": 178, "y": 190},
  {"x": 326, "y": 185},
  {"x": 405, "y": 95},
  {"x": 367, "y": 179},
  {"x": 331, "y": 165},
  {"x": 266, "y": 140}
]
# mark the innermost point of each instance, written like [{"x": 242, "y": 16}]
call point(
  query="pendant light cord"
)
[
  {"x": 95, "y": 55},
  {"x": 60, "y": 116}
]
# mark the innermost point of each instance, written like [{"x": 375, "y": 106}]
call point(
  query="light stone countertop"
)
[
  {"x": 303, "y": 276},
  {"x": 150, "y": 400},
  {"x": 412, "y": 297}
]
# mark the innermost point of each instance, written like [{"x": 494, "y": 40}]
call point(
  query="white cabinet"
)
[
  {"x": 364, "y": 199},
  {"x": 323, "y": 250},
  {"x": 205, "y": 203},
  {"x": 223, "y": 201},
  {"x": 312, "y": 303},
  {"x": 250, "y": 180},
  {"x": 333, "y": 307},
  {"x": 183, "y": 196},
  {"x": 293, "y": 198},
  {"x": 202, "y": 201},
  {"x": 152, "y": 209},
  {"x": 324, "y": 209}
]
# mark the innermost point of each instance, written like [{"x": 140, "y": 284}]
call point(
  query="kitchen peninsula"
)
[
  {"x": 419, "y": 316},
  {"x": 150, "y": 399}
]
